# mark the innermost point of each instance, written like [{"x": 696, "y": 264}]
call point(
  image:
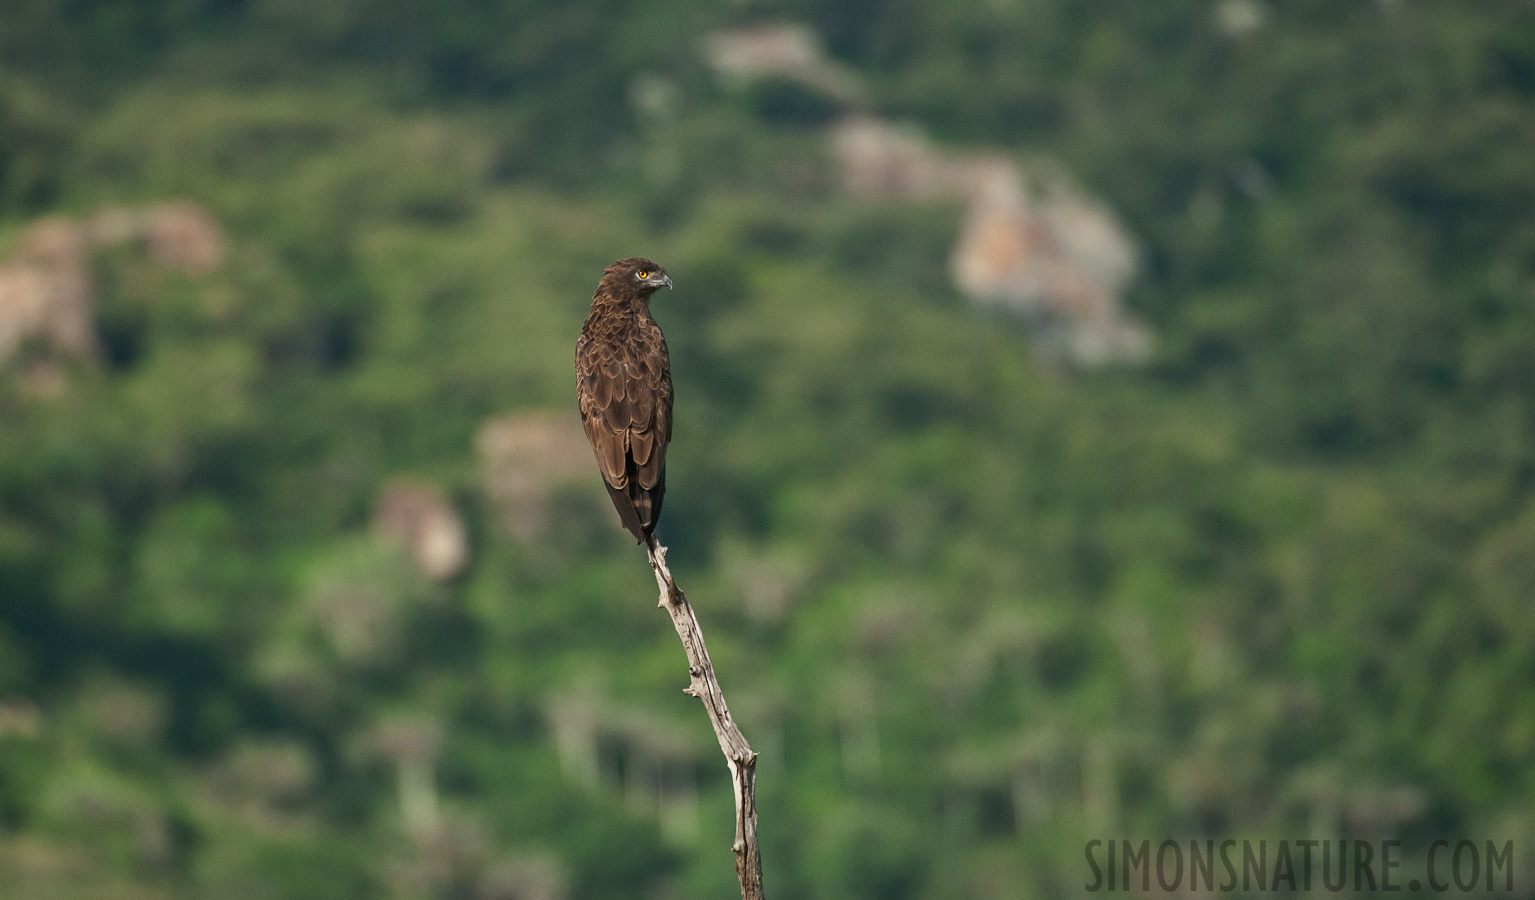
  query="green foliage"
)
[{"x": 972, "y": 610}]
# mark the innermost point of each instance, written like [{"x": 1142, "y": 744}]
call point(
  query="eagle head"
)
[{"x": 636, "y": 274}]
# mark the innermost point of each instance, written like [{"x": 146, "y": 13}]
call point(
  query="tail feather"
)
[
  {"x": 638, "y": 508},
  {"x": 626, "y": 511}
]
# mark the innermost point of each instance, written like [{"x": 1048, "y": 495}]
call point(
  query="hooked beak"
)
[{"x": 666, "y": 280}]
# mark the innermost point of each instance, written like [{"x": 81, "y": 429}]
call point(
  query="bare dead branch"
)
[{"x": 739, "y": 755}]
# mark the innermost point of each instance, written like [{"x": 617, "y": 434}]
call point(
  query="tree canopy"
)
[{"x": 974, "y": 608}]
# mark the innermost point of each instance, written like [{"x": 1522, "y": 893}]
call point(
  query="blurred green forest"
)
[{"x": 1279, "y": 581}]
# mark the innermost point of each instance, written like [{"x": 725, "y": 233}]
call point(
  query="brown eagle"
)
[{"x": 624, "y": 383}]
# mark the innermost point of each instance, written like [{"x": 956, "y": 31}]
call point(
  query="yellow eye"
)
[{"x": 644, "y": 274}]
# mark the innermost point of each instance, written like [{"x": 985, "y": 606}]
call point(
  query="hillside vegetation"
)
[{"x": 974, "y": 608}]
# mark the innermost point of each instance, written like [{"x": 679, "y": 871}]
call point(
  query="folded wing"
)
[{"x": 626, "y": 410}]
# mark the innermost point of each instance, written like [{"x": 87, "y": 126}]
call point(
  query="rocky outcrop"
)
[
  {"x": 1055, "y": 259},
  {"x": 789, "y": 52},
  {"x": 45, "y": 290},
  {"x": 523, "y": 458},
  {"x": 883, "y": 160},
  {"x": 1029, "y": 243},
  {"x": 45, "y": 286},
  {"x": 416, "y": 516},
  {"x": 1238, "y": 19}
]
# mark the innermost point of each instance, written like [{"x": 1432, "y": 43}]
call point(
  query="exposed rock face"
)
[
  {"x": 419, "y": 518},
  {"x": 184, "y": 236},
  {"x": 181, "y": 235},
  {"x": 1240, "y": 18},
  {"x": 523, "y": 457},
  {"x": 884, "y": 160},
  {"x": 45, "y": 287},
  {"x": 791, "y": 52},
  {"x": 45, "y": 290},
  {"x": 1029, "y": 244},
  {"x": 1058, "y": 261},
  {"x": 1041, "y": 252}
]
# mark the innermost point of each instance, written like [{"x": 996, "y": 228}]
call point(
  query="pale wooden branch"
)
[{"x": 739, "y": 755}]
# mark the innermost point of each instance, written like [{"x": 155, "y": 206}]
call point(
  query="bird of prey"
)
[{"x": 624, "y": 383}]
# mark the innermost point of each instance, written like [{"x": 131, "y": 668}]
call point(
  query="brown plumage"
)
[{"x": 624, "y": 383}]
